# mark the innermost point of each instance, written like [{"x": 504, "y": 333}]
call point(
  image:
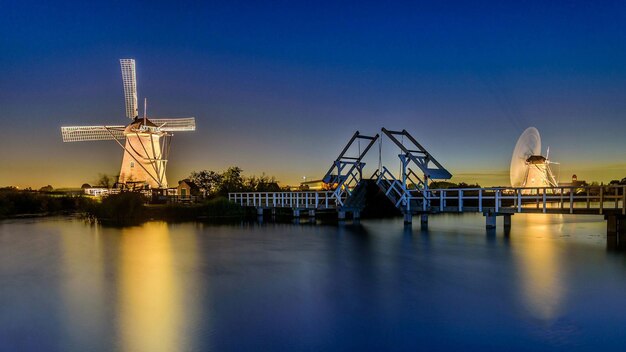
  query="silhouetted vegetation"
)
[
  {"x": 129, "y": 208},
  {"x": 105, "y": 181},
  {"x": 15, "y": 202},
  {"x": 212, "y": 209},
  {"x": 447, "y": 184},
  {"x": 214, "y": 184},
  {"x": 125, "y": 208}
]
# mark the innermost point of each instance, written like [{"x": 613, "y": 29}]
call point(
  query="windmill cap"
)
[{"x": 536, "y": 159}]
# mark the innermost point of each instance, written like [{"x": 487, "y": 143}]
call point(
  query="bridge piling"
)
[
  {"x": 490, "y": 219},
  {"x": 408, "y": 218},
  {"x": 615, "y": 231},
  {"x": 612, "y": 224},
  {"x": 507, "y": 221}
]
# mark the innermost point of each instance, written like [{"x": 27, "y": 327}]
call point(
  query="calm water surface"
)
[{"x": 550, "y": 284}]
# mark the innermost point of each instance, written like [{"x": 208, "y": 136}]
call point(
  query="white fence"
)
[
  {"x": 588, "y": 200},
  {"x": 591, "y": 199},
  {"x": 293, "y": 200}
]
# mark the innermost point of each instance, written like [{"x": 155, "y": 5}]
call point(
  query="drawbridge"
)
[
  {"x": 347, "y": 184},
  {"x": 410, "y": 192},
  {"x": 406, "y": 192}
]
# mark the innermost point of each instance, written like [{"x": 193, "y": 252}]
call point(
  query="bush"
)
[
  {"x": 125, "y": 208},
  {"x": 220, "y": 207}
]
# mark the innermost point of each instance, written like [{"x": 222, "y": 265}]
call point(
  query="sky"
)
[{"x": 279, "y": 87}]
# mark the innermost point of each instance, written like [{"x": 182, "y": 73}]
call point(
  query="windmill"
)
[
  {"x": 145, "y": 141},
  {"x": 528, "y": 167}
]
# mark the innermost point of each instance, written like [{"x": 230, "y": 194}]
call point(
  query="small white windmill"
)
[
  {"x": 528, "y": 167},
  {"x": 147, "y": 139}
]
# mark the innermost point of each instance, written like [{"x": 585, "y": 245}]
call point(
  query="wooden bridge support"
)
[
  {"x": 343, "y": 214},
  {"x": 615, "y": 231},
  {"x": 490, "y": 220},
  {"x": 408, "y": 219},
  {"x": 507, "y": 221}
]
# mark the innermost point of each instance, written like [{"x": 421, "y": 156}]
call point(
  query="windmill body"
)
[
  {"x": 145, "y": 141},
  {"x": 144, "y": 160},
  {"x": 528, "y": 167}
]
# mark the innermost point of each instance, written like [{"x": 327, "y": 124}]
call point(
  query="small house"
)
[{"x": 187, "y": 188}]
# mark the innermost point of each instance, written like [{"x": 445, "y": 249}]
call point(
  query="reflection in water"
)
[
  {"x": 539, "y": 263},
  {"x": 82, "y": 267},
  {"x": 68, "y": 286},
  {"x": 150, "y": 307}
]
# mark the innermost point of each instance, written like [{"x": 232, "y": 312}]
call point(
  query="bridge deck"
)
[
  {"x": 500, "y": 200},
  {"x": 553, "y": 200}
]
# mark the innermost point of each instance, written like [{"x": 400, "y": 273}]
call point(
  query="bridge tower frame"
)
[
  {"x": 347, "y": 171},
  {"x": 410, "y": 186}
]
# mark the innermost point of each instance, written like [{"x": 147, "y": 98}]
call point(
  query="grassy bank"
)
[
  {"x": 15, "y": 203},
  {"x": 126, "y": 208},
  {"x": 129, "y": 208}
]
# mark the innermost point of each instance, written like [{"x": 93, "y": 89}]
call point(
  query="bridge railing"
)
[
  {"x": 513, "y": 199},
  {"x": 293, "y": 200}
]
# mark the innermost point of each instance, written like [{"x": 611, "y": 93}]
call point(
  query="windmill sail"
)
[
  {"x": 92, "y": 133},
  {"x": 176, "y": 124},
  {"x": 145, "y": 142},
  {"x": 130, "y": 87}
]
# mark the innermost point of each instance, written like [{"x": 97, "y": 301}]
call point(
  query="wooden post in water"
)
[
  {"x": 507, "y": 221},
  {"x": 490, "y": 219},
  {"x": 424, "y": 219}
]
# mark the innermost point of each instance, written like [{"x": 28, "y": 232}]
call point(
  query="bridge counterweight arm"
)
[{"x": 422, "y": 161}]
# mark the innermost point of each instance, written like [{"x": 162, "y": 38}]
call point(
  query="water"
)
[{"x": 550, "y": 284}]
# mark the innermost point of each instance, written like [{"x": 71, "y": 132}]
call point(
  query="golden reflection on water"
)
[
  {"x": 538, "y": 258},
  {"x": 150, "y": 309}
]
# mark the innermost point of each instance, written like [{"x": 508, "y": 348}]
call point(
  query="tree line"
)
[{"x": 213, "y": 184}]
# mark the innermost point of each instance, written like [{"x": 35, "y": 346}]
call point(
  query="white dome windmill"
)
[
  {"x": 528, "y": 167},
  {"x": 147, "y": 139}
]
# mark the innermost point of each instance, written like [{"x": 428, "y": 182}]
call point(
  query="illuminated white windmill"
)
[
  {"x": 528, "y": 167},
  {"x": 147, "y": 139}
]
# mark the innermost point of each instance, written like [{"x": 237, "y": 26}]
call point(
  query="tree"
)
[
  {"x": 208, "y": 181},
  {"x": 47, "y": 188},
  {"x": 105, "y": 181},
  {"x": 232, "y": 181},
  {"x": 263, "y": 183}
]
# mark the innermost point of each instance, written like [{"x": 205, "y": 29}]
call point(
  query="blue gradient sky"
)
[{"x": 279, "y": 87}]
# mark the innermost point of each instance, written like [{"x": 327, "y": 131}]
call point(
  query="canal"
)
[{"x": 550, "y": 283}]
